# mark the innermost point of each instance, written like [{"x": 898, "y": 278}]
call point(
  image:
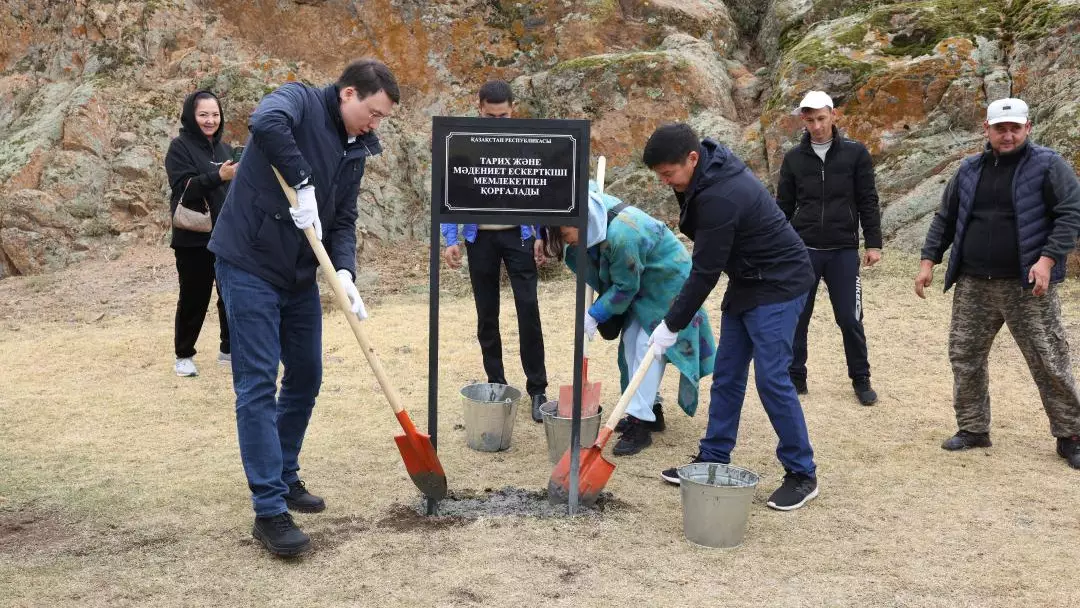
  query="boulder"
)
[{"x": 36, "y": 233}]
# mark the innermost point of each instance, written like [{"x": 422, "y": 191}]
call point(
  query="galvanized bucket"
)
[
  {"x": 490, "y": 410},
  {"x": 558, "y": 429},
  {"x": 716, "y": 502}
]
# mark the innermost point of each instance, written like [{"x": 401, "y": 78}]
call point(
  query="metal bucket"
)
[
  {"x": 558, "y": 429},
  {"x": 490, "y": 410},
  {"x": 716, "y": 503}
]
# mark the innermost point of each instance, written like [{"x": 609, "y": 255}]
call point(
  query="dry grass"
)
[{"x": 121, "y": 484}]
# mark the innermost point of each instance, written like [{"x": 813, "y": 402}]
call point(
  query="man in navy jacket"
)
[
  {"x": 319, "y": 140},
  {"x": 737, "y": 229}
]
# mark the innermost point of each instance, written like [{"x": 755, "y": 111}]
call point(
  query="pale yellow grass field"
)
[{"x": 121, "y": 484}]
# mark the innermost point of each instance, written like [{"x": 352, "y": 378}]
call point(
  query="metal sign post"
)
[{"x": 509, "y": 171}]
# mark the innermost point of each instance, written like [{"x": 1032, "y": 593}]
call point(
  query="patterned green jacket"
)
[{"x": 640, "y": 267}]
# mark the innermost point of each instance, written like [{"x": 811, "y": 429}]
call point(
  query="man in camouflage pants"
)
[{"x": 1011, "y": 215}]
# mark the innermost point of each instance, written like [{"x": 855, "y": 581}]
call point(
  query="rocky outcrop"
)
[{"x": 90, "y": 91}]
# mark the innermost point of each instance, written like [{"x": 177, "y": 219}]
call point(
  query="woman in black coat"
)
[{"x": 200, "y": 168}]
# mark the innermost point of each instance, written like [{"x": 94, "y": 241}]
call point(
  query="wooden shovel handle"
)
[
  {"x": 342, "y": 302},
  {"x": 635, "y": 382}
]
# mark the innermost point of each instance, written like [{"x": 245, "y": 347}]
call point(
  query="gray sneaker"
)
[
  {"x": 185, "y": 367},
  {"x": 224, "y": 359}
]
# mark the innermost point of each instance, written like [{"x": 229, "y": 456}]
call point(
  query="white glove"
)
[
  {"x": 662, "y": 338},
  {"x": 590, "y": 326},
  {"x": 306, "y": 213},
  {"x": 356, "y": 304}
]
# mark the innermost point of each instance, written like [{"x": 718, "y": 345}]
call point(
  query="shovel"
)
[
  {"x": 419, "y": 455},
  {"x": 595, "y": 470},
  {"x": 590, "y": 391}
]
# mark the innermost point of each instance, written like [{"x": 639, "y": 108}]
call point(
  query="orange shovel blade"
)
[
  {"x": 590, "y": 400},
  {"x": 420, "y": 458},
  {"x": 595, "y": 471}
]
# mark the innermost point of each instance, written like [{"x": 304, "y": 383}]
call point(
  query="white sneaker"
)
[
  {"x": 185, "y": 367},
  {"x": 224, "y": 359}
]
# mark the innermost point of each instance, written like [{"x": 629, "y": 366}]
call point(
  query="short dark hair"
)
[
  {"x": 368, "y": 77},
  {"x": 670, "y": 144},
  {"x": 496, "y": 91}
]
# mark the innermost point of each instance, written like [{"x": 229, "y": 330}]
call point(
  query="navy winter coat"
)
[
  {"x": 299, "y": 130},
  {"x": 737, "y": 228}
]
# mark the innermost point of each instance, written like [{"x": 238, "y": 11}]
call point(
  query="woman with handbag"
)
[
  {"x": 200, "y": 167},
  {"x": 637, "y": 265}
]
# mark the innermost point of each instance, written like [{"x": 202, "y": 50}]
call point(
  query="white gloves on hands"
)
[
  {"x": 662, "y": 338},
  {"x": 590, "y": 326},
  {"x": 356, "y": 304},
  {"x": 306, "y": 213}
]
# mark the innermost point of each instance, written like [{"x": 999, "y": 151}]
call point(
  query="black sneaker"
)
[
  {"x": 299, "y": 499},
  {"x": 537, "y": 401},
  {"x": 963, "y": 440},
  {"x": 1069, "y": 449},
  {"x": 800, "y": 385},
  {"x": 672, "y": 475},
  {"x": 797, "y": 490},
  {"x": 656, "y": 426},
  {"x": 863, "y": 390},
  {"x": 637, "y": 437},
  {"x": 280, "y": 535}
]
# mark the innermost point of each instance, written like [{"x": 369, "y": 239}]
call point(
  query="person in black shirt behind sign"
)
[{"x": 490, "y": 246}]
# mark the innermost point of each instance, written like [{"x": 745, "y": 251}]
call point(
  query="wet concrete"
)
[{"x": 509, "y": 502}]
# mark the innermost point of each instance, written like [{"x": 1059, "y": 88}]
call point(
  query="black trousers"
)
[
  {"x": 491, "y": 249},
  {"x": 195, "y": 267},
  {"x": 840, "y": 269}
]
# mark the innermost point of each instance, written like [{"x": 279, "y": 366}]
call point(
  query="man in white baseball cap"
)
[
  {"x": 1011, "y": 215},
  {"x": 827, "y": 192}
]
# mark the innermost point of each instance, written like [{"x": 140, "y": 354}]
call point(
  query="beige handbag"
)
[{"x": 189, "y": 219}]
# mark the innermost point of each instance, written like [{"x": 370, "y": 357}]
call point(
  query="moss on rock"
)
[
  {"x": 1033, "y": 19},
  {"x": 620, "y": 61},
  {"x": 815, "y": 53},
  {"x": 915, "y": 28},
  {"x": 853, "y": 35}
]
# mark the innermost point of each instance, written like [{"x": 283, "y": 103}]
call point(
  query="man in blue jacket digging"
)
[
  {"x": 319, "y": 140},
  {"x": 737, "y": 229}
]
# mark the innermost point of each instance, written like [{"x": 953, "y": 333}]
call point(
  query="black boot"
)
[
  {"x": 280, "y": 535},
  {"x": 657, "y": 426},
  {"x": 863, "y": 390},
  {"x": 537, "y": 401},
  {"x": 637, "y": 437},
  {"x": 1069, "y": 449},
  {"x": 299, "y": 499},
  {"x": 963, "y": 440}
]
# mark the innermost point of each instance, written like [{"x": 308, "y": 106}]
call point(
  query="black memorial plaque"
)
[{"x": 510, "y": 167}]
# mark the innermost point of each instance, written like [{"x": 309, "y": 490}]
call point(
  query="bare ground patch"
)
[{"x": 121, "y": 484}]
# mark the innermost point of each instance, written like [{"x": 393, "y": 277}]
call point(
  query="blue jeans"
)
[
  {"x": 268, "y": 325},
  {"x": 763, "y": 334}
]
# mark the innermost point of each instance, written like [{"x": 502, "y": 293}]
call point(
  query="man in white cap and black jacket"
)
[{"x": 827, "y": 190}]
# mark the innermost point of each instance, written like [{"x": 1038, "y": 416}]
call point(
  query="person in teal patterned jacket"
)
[{"x": 638, "y": 266}]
